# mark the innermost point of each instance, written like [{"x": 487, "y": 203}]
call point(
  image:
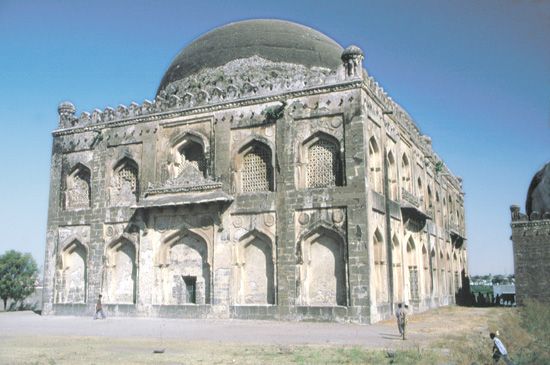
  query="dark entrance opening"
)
[{"x": 190, "y": 289}]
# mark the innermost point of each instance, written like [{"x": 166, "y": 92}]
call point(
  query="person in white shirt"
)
[{"x": 499, "y": 351}]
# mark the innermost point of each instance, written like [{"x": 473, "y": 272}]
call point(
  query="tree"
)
[{"x": 17, "y": 276}]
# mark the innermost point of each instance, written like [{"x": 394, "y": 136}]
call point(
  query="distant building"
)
[
  {"x": 531, "y": 239},
  {"x": 271, "y": 177}
]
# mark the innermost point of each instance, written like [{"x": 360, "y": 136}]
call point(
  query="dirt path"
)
[{"x": 27, "y": 332}]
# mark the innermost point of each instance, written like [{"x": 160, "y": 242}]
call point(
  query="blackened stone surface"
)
[
  {"x": 538, "y": 195},
  {"x": 275, "y": 40}
]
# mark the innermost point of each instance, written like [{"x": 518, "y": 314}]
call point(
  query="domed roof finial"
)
[
  {"x": 353, "y": 61},
  {"x": 66, "y": 111}
]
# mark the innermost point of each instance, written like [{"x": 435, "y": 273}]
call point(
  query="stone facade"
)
[
  {"x": 531, "y": 239},
  {"x": 256, "y": 188}
]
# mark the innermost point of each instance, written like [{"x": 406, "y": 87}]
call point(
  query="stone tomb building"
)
[
  {"x": 271, "y": 177},
  {"x": 531, "y": 241}
]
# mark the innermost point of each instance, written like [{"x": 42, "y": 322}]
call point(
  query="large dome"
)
[{"x": 274, "y": 40}]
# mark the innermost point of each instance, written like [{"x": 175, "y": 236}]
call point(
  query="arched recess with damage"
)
[
  {"x": 77, "y": 188},
  {"x": 323, "y": 268},
  {"x": 183, "y": 269},
  {"x": 256, "y": 268},
  {"x": 120, "y": 271},
  {"x": 380, "y": 268},
  {"x": 72, "y": 273},
  {"x": 190, "y": 150},
  {"x": 124, "y": 187}
]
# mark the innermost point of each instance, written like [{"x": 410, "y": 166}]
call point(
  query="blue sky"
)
[{"x": 475, "y": 75}]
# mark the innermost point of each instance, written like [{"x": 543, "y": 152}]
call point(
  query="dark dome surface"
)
[{"x": 274, "y": 40}]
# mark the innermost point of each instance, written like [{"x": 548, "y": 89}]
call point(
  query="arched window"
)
[
  {"x": 375, "y": 166},
  {"x": 392, "y": 177},
  {"x": 125, "y": 184},
  {"x": 77, "y": 194},
  {"x": 413, "y": 270},
  {"x": 324, "y": 168},
  {"x": 405, "y": 173},
  {"x": 191, "y": 153},
  {"x": 380, "y": 267},
  {"x": 257, "y": 169},
  {"x": 429, "y": 201}
]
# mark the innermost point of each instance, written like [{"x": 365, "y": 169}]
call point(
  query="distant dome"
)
[
  {"x": 538, "y": 195},
  {"x": 274, "y": 40}
]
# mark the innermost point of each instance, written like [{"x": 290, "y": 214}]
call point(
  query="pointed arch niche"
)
[
  {"x": 125, "y": 182},
  {"x": 256, "y": 269},
  {"x": 435, "y": 283},
  {"x": 190, "y": 150},
  {"x": 426, "y": 272},
  {"x": 397, "y": 270},
  {"x": 323, "y": 272},
  {"x": 375, "y": 166},
  {"x": 120, "y": 272},
  {"x": 392, "y": 177},
  {"x": 183, "y": 269},
  {"x": 413, "y": 270},
  {"x": 253, "y": 164},
  {"x": 78, "y": 192},
  {"x": 406, "y": 173},
  {"x": 72, "y": 280},
  {"x": 380, "y": 268}
]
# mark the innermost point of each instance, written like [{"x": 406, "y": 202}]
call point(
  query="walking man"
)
[
  {"x": 499, "y": 351},
  {"x": 401, "y": 315},
  {"x": 99, "y": 309}
]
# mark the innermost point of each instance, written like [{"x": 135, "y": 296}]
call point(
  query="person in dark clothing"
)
[{"x": 401, "y": 316}]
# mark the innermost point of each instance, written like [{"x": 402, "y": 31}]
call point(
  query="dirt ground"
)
[{"x": 27, "y": 338}]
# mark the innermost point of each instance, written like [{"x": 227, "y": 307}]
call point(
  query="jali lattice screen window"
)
[
  {"x": 127, "y": 178},
  {"x": 323, "y": 169},
  {"x": 257, "y": 172}
]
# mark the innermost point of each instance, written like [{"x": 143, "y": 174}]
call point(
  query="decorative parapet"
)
[
  {"x": 518, "y": 217},
  {"x": 237, "y": 80},
  {"x": 409, "y": 198}
]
